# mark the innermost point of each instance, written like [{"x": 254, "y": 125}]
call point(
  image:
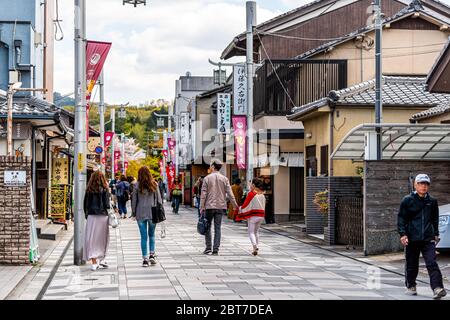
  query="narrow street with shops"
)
[{"x": 285, "y": 269}]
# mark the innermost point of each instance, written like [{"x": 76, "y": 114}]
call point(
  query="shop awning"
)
[{"x": 399, "y": 141}]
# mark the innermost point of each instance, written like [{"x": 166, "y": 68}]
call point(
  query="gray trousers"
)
[{"x": 217, "y": 215}]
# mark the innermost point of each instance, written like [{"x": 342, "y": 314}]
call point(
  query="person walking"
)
[
  {"x": 123, "y": 195},
  {"x": 176, "y": 195},
  {"x": 145, "y": 196},
  {"x": 253, "y": 210},
  {"x": 197, "y": 192},
  {"x": 162, "y": 188},
  {"x": 213, "y": 203},
  {"x": 96, "y": 206},
  {"x": 418, "y": 226},
  {"x": 238, "y": 193},
  {"x": 112, "y": 186},
  {"x": 132, "y": 184}
]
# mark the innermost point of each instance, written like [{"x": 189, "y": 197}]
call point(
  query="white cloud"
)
[{"x": 152, "y": 45}]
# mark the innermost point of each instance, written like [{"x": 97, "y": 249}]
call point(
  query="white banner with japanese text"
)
[{"x": 224, "y": 113}]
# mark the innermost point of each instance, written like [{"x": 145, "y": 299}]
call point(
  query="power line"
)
[
  {"x": 58, "y": 25},
  {"x": 337, "y": 39},
  {"x": 275, "y": 71},
  {"x": 296, "y": 38},
  {"x": 396, "y": 55}
]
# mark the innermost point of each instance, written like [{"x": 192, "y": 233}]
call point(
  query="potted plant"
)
[{"x": 321, "y": 202}]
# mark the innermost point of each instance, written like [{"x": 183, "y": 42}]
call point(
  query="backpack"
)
[{"x": 121, "y": 190}]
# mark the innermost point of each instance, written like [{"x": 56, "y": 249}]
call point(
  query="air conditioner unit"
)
[{"x": 370, "y": 146}]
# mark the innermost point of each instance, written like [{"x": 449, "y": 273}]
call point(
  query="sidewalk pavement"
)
[
  {"x": 29, "y": 280},
  {"x": 285, "y": 269},
  {"x": 394, "y": 262}
]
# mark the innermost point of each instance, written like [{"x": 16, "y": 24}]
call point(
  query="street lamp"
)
[
  {"x": 135, "y": 2},
  {"x": 122, "y": 111}
]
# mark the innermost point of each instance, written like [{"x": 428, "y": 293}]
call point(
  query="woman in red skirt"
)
[{"x": 253, "y": 210}]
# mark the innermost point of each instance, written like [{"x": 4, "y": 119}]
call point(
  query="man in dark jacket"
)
[{"x": 418, "y": 221}]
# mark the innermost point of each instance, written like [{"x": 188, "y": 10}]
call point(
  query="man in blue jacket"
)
[{"x": 418, "y": 221}]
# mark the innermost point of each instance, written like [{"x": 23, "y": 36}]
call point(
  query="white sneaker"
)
[
  {"x": 411, "y": 291},
  {"x": 94, "y": 267},
  {"x": 439, "y": 293}
]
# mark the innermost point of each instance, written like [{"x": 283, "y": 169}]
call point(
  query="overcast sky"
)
[{"x": 153, "y": 45}]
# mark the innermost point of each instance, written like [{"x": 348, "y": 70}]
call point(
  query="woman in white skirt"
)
[
  {"x": 96, "y": 206},
  {"x": 253, "y": 210}
]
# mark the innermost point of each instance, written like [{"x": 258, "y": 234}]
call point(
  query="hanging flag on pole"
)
[
  {"x": 108, "y": 138},
  {"x": 96, "y": 53},
  {"x": 240, "y": 133},
  {"x": 224, "y": 113},
  {"x": 240, "y": 89}
]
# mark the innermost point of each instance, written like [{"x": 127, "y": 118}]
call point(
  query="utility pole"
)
[
  {"x": 113, "y": 129},
  {"x": 251, "y": 23},
  {"x": 378, "y": 77},
  {"x": 9, "y": 124},
  {"x": 101, "y": 109},
  {"x": 80, "y": 128},
  {"x": 122, "y": 139}
]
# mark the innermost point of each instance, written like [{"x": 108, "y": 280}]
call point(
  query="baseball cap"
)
[{"x": 423, "y": 178}]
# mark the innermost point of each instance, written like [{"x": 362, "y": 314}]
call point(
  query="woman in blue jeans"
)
[{"x": 145, "y": 196}]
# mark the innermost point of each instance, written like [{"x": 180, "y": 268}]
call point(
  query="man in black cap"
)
[{"x": 418, "y": 221}]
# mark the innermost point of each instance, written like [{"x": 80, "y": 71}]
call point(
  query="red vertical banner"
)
[
  {"x": 108, "y": 139},
  {"x": 240, "y": 133},
  {"x": 116, "y": 160},
  {"x": 171, "y": 142},
  {"x": 170, "y": 170},
  {"x": 96, "y": 53}
]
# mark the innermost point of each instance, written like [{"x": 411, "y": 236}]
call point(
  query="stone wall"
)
[
  {"x": 15, "y": 214},
  {"x": 385, "y": 184}
]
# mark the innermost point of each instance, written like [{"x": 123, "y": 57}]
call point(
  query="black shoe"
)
[
  {"x": 215, "y": 252},
  {"x": 152, "y": 260},
  {"x": 207, "y": 251},
  {"x": 145, "y": 263}
]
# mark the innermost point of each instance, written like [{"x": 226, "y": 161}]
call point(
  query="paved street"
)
[{"x": 285, "y": 269}]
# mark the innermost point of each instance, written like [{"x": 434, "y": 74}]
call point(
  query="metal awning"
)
[{"x": 400, "y": 141}]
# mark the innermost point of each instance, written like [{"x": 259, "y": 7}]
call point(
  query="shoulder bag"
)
[
  {"x": 202, "y": 225},
  {"x": 112, "y": 218},
  {"x": 158, "y": 214}
]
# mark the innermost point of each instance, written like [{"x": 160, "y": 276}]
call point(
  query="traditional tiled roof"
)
[
  {"x": 396, "y": 91},
  {"x": 31, "y": 107},
  {"x": 415, "y": 6},
  {"x": 432, "y": 112}
]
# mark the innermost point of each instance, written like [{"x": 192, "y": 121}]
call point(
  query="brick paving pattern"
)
[{"x": 285, "y": 269}]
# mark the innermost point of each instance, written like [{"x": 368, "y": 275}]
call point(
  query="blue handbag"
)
[{"x": 202, "y": 225}]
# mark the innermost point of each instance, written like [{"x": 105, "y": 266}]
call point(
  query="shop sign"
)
[
  {"x": 224, "y": 113},
  {"x": 184, "y": 128},
  {"x": 15, "y": 178},
  {"x": 239, "y": 90}
]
